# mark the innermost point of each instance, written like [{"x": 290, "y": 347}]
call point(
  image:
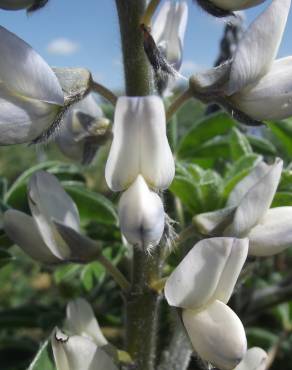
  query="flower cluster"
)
[{"x": 140, "y": 159}]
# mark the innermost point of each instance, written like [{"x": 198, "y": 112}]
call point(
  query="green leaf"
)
[
  {"x": 239, "y": 145},
  {"x": 92, "y": 206},
  {"x": 185, "y": 189},
  {"x": 286, "y": 181},
  {"x": 43, "y": 359},
  {"x": 66, "y": 272},
  {"x": 217, "y": 148},
  {"x": 261, "y": 145},
  {"x": 5, "y": 257},
  {"x": 282, "y": 199},
  {"x": 16, "y": 195},
  {"x": 208, "y": 128},
  {"x": 211, "y": 186},
  {"x": 261, "y": 337},
  {"x": 283, "y": 133}
]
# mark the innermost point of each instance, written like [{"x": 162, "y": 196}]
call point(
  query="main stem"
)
[{"x": 142, "y": 303}]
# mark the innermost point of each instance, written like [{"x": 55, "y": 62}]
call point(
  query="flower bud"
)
[
  {"x": 254, "y": 359},
  {"x": 141, "y": 215},
  {"x": 30, "y": 5},
  {"x": 168, "y": 31}
]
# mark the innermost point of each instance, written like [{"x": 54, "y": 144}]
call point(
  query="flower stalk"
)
[{"x": 142, "y": 303}]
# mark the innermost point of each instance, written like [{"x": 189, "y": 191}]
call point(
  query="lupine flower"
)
[
  {"x": 80, "y": 320},
  {"x": 201, "y": 285},
  {"x": 30, "y": 5},
  {"x": 140, "y": 144},
  {"x": 248, "y": 213},
  {"x": 54, "y": 215},
  {"x": 77, "y": 352},
  {"x": 255, "y": 359},
  {"x": 141, "y": 215},
  {"x": 30, "y": 94},
  {"x": 79, "y": 136},
  {"x": 254, "y": 83},
  {"x": 82, "y": 348},
  {"x": 168, "y": 31}
]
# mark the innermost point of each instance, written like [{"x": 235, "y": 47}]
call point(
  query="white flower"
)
[
  {"x": 202, "y": 285},
  {"x": 247, "y": 213},
  {"x": 30, "y": 94},
  {"x": 78, "y": 352},
  {"x": 141, "y": 215},
  {"x": 233, "y": 5},
  {"x": 81, "y": 126},
  {"x": 255, "y": 359},
  {"x": 140, "y": 144},
  {"x": 254, "y": 83},
  {"x": 168, "y": 31},
  {"x": 54, "y": 215},
  {"x": 260, "y": 86},
  {"x": 80, "y": 320},
  {"x": 82, "y": 349}
]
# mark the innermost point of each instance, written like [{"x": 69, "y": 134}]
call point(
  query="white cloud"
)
[
  {"x": 189, "y": 67},
  {"x": 62, "y": 46}
]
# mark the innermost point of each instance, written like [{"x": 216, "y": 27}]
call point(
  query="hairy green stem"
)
[
  {"x": 142, "y": 303},
  {"x": 136, "y": 66}
]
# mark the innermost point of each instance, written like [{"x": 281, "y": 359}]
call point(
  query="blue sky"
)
[{"x": 87, "y": 32}]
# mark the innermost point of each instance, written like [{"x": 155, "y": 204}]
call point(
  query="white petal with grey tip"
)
[
  {"x": 22, "y": 229},
  {"x": 141, "y": 215}
]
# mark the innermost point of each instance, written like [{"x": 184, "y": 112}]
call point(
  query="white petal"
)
[
  {"x": 255, "y": 202},
  {"x": 22, "y": 229},
  {"x": 259, "y": 46},
  {"x": 49, "y": 202},
  {"x": 217, "y": 335},
  {"x": 247, "y": 183},
  {"x": 81, "y": 122},
  {"x": 89, "y": 106},
  {"x": 231, "y": 270},
  {"x": 77, "y": 352},
  {"x": 168, "y": 30},
  {"x": 25, "y": 72},
  {"x": 195, "y": 280},
  {"x": 22, "y": 119},
  {"x": 15, "y": 4},
  {"x": 213, "y": 223},
  {"x": 81, "y": 249},
  {"x": 273, "y": 233},
  {"x": 139, "y": 145},
  {"x": 236, "y": 4},
  {"x": 141, "y": 215},
  {"x": 80, "y": 320},
  {"x": 254, "y": 359},
  {"x": 271, "y": 98}
]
